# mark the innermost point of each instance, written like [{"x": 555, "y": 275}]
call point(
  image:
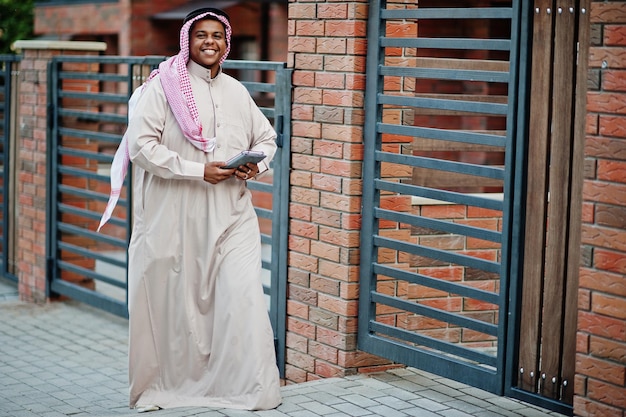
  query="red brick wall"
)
[
  {"x": 32, "y": 171},
  {"x": 327, "y": 49},
  {"x": 31, "y": 176},
  {"x": 601, "y": 344},
  {"x": 91, "y": 19}
]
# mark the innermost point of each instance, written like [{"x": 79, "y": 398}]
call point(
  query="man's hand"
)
[
  {"x": 247, "y": 172},
  {"x": 214, "y": 174}
]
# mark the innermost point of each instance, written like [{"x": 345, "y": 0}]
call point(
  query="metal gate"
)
[
  {"x": 8, "y": 104},
  {"x": 442, "y": 169},
  {"x": 88, "y": 114}
]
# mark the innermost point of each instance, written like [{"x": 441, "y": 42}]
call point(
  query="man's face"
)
[{"x": 207, "y": 44}]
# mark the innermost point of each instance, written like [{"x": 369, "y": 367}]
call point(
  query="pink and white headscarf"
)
[{"x": 174, "y": 78}]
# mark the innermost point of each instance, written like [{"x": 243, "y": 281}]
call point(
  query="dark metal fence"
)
[
  {"x": 8, "y": 76},
  {"x": 88, "y": 115},
  {"x": 439, "y": 169}
]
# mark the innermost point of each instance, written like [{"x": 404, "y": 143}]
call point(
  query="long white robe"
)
[{"x": 199, "y": 331}]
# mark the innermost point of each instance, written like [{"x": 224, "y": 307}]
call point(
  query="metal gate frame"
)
[
  {"x": 7, "y": 182},
  {"x": 136, "y": 73},
  {"x": 456, "y": 362}
]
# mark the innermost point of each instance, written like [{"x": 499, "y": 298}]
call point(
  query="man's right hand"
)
[{"x": 213, "y": 173}]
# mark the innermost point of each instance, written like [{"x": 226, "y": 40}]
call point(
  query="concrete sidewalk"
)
[{"x": 69, "y": 359}]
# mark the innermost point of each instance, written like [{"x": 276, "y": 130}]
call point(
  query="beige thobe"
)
[{"x": 200, "y": 333}]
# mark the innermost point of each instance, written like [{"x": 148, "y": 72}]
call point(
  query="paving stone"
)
[
  {"x": 324, "y": 398},
  {"x": 351, "y": 409},
  {"x": 366, "y": 391},
  {"x": 428, "y": 404},
  {"x": 271, "y": 413},
  {"x": 383, "y": 410},
  {"x": 68, "y": 359},
  {"x": 436, "y": 396},
  {"x": 420, "y": 412},
  {"x": 394, "y": 402},
  {"x": 530, "y": 412},
  {"x": 359, "y": 400},
  {"x": 454, "y": 413},
  {"x": 463, "y": 406},
  {"x": 402, "y": 394},
  {"x": 303, "y": 413},
  {"x": 318, "y": 408},
  {"x": 289, "y": 407}
]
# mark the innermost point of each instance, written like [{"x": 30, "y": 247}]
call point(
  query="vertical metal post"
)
[{"x": 280, "y": 206}]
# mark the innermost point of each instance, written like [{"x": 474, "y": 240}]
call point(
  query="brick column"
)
[
  {"x": 327, "y": 49},
  {"x": 601, "y": 343},
  {"x": 31, "y": 164}
]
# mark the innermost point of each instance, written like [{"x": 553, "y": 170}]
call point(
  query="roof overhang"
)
[{"x": 179, "y": 13}]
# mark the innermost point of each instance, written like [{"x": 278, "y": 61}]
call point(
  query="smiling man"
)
[
  {"x": 199, "y": 331},
  {"x": 207, "y": 44}
]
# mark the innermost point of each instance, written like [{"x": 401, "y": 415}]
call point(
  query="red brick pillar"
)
[
  {"x": 601, "y": 343},
  {"x": 31, "y": 164},
  {"x": 327, "y": 49}
]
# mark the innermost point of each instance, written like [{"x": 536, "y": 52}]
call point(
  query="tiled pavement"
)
[{"x": 69, "y": 359}]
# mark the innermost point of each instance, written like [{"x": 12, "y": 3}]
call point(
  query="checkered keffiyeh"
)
[{"x": 177, "y": 88}]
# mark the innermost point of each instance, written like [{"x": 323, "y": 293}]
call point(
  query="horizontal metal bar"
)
[
  {"x": 89, "y": 134},
  {"x": 444, "y": 104},
  {"x": 440, "y": 195},
  {"x": 266, "y": 265},
  {"x": 268, "y": 112},
  {"x": 443, "y": 134},
  {"x": 438, "y": 254},
  {"x": 429, "y": 342},
  {"x": 64, "y": 208},
  {"x": 445, "y": 74},
  {"x": 64, "y": 246},
  {"x": 257, "y": 65},
  {"x": 259, "y": 87},
  {"x": 93, "y": 116},
  {"x": 81, "y": 173},
  {"x": 449, "y": 13},
  {"x": 439, "y": 225},
  {"x": 96, "y": 156},
  {"x": 448, "y": 43},
  {"x": 120, "y": 222},
  {"x": 441, "y": 165},
  {"x": 89, "y": 273},
  {"x": 97, "y": 300},
  {"x": 473, "y": 374},
  {"x": 81, "y": 192},
  {"x": 110, "y": 59},
  {"x": 96, "y": 96},
  {"x": 93, "y": 76},
  {"x": 438, "y": 284},
  {"x": 445, "y": 316},
  {"x": 260, "y": 186},
  {"x": 10, "y": 58},
  {"x": 67, "y": 208},
  {"x": 266, "y": 239},
  {"x": 156, "y": 60},
  {"x": 263, "y": 213},
  {"x": 80, "y": 231},
  {"x": 540, "y": 400}
]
